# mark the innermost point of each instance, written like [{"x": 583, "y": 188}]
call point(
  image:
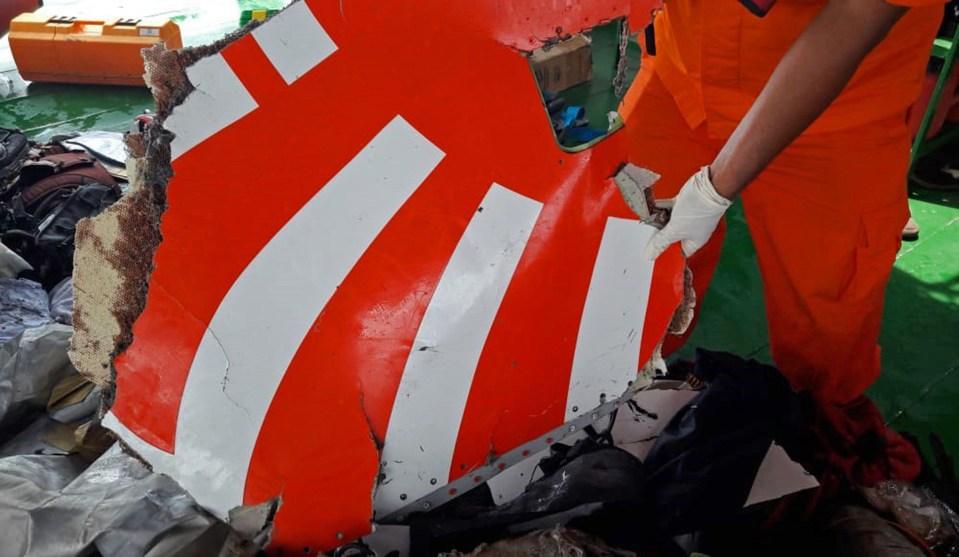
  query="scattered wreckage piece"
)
[
  {"x": 54, "y": 501},
  {"x": 388, "y": 289},
  {"x": 32, "y": 364},
  {"x": 56, "y": 505},
  {"x": 636, "y": 185},
  {"x": 668, "y": 461}
]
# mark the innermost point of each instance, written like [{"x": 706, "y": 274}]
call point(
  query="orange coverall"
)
[{"x": 826, "y": 215}]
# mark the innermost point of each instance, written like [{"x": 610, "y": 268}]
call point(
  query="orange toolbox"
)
[{"x": 72, "y": 50}]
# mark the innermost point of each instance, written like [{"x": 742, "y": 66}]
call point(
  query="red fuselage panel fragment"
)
[{"x": 377, "y": 260}]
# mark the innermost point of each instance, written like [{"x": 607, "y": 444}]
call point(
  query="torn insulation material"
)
[{"x": 113, "y": 261}]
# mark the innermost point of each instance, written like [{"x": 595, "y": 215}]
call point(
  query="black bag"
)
[
  {"x": 594, "y": 487},
  {"x": 702, "y": 465},
  {"x": 46, "y": 181},
  {"x": 50, "y": 248},
  {"x": 41, "y": 208},
  {"x": 13, "y": 150}
]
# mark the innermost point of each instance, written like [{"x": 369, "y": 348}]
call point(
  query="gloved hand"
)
[{"x": 695, "y": 214}]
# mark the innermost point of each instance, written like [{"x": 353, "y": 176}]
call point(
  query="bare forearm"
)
[{"x": 809, "y": 77}]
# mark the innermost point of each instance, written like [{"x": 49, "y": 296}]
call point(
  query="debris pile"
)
[
  {"x": 67, "y": 487},
  {"x": 717, "y": 456},
  {"x": 716, "y": 471},
  {"x": 417, "y": 342}
]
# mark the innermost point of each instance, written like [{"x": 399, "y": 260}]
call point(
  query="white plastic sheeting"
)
[{"x": 51, "y": 505}]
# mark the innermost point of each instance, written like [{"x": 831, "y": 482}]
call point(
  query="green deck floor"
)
[{"x": 919, "y": 389}]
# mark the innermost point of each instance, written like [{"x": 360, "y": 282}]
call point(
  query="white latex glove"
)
[{"x": 695, "y": 214}]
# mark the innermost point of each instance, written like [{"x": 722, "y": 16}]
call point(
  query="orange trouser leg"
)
[
  {"x": 826, "y": 218},
  {"x": 660, "y": 139}
]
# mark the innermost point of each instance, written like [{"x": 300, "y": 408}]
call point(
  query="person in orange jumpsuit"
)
[{"x": 800, "y": 111}]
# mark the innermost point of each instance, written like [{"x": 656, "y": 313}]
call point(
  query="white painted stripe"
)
[
  {"x": 294, "y": 41},
  {"x": 436, "y": 382},
  {"x": 219, "y": 100},
  {"x": 607, "y": 346},
  {"x": 158, "y": 458},
  {"x": 268, "y": 311}
]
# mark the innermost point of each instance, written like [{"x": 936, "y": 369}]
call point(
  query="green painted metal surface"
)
[{"x": 919, "y": 388}]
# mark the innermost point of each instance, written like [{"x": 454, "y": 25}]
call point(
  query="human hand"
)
[{"x": 696, "y": 211}]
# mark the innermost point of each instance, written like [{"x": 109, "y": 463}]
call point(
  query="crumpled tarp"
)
[
  {"x": 29, "y": 441},
  {"x": 24, "y": 304},
  {"x": 105, "y": 146},
  {"x": 50, "y": 505},
  {"x": 61, "y": 302},
  {"x": 31, "y": 365},
  {"x": 36, "y": 376}
]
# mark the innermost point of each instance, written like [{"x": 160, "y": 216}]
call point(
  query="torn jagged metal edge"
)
[
  {"x": 114, "y": 257},
  {"x": 255, "y": 522},
  {"x": 656, "y": 366},
  {"x": 683, "y": 316},
  {"x": 113, "y": 261},
  {"x": 501, "y": 463},
  {"x": 115, "y": 250},
  {"x": 681, "y": 321}
]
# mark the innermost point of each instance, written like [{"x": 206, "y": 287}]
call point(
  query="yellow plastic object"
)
[{"x": 71, "y": 50}]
